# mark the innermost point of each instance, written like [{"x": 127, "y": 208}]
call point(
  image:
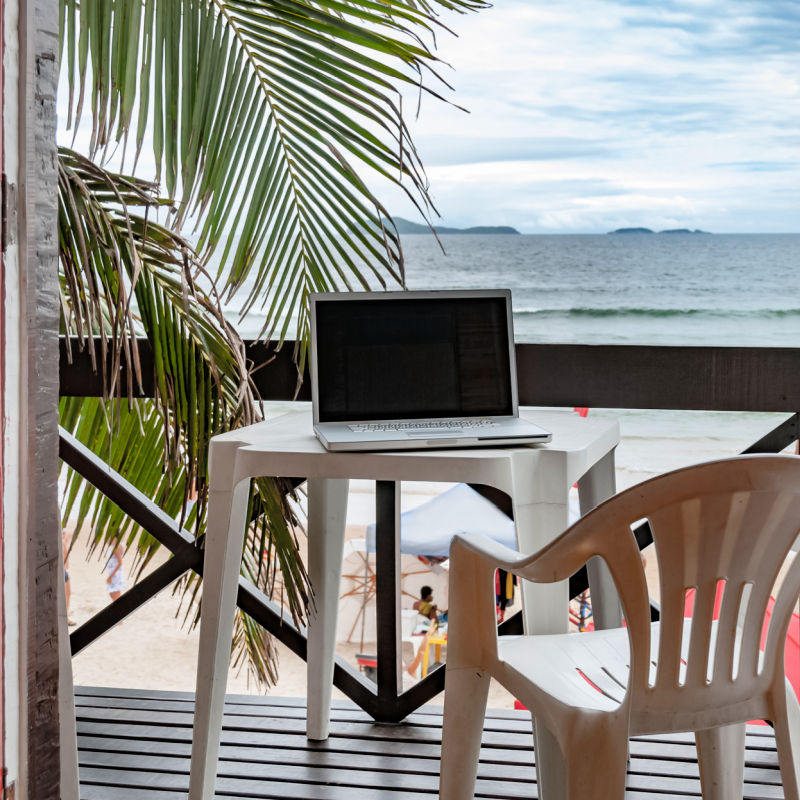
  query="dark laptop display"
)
[
  {"x": 415, "y": 369},
  {"x": 452, "y": 361}
]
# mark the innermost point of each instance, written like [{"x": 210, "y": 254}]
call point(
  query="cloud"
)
[
  {"x": 440, "y": 150},
  {"x": 677, "y": 114},
  {"x": 759, "y": 166}
]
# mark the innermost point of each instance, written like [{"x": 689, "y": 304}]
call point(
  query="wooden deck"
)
[{"x": 136, "y": 744}]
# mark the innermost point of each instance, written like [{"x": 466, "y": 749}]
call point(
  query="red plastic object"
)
[{"x": 791, "y": 660}]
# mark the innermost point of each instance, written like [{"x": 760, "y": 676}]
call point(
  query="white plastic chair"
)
[
  {"x": 409, "y": 618},
  {"x": 721, "y": 527}
]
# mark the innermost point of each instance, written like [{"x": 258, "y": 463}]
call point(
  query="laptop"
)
[{"x": 415, "y": 370}]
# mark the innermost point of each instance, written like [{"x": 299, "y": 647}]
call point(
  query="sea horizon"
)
[
  {"x": 678, "y": 231},
  {"x": 678, "y": 289}
]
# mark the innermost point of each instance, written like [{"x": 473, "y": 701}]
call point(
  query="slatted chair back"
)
[{"x": 722, "y": 533}]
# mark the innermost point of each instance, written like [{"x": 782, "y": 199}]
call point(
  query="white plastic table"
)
[{"x": 536, "y": 477}]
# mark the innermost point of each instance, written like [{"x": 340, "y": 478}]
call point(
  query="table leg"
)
[
  {"x": 545, "y": 606},
  {"x": 327, "y": 510},
  {"x": 597, "y": 485},
  {"x": 545, "y": 609},
  {"x": 227, "y": 512}
]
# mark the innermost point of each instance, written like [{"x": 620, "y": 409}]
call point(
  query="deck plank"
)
[{"x": 137, "y": 743}]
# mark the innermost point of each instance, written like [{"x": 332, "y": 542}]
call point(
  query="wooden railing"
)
[{"x": 599, "y": 376}]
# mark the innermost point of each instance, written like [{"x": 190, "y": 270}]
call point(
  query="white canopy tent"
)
[{"x": 428, "y": 529}]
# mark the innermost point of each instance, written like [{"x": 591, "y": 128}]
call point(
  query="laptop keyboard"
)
[{"x": 423, "y": 425}]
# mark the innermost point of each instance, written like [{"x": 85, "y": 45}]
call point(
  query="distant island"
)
[
  {"x": 406, "y": 226},
  {"x": 647, "y": 230}
]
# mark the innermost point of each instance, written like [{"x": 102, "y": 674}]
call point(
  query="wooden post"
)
[
  {"x": 30, "y": 123},
  {"x": 3, "y": 216},
  {"x": 387, "y": 595}
]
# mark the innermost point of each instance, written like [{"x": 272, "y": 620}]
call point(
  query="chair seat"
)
[{"x": 583, "y": 670}]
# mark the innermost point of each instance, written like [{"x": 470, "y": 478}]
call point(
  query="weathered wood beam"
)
[
  {"x": 779, "y": 438},
  {"x": 599, "y": 376},
  {"x": 681, "y": 378},
  {"x": 137, "y": 505},
  {"x": 135, "y": 597},
  {"x": 40, "y": 717},
  {"x": 274, "y": 374}
]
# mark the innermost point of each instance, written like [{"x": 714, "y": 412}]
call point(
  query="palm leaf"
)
[
  {"x": 134, "y": 449},
  {"x": 124, "y": 276},
  {"x": 261, "y": 116},
  {"x": 259, "y": 110}
]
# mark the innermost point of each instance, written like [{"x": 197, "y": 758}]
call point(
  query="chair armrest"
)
[
  {"x": 490, "y": 551},
  {"x": 554, "y": 562}
]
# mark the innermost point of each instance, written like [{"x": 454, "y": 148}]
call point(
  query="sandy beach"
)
[{"x": 154, "y": 649}]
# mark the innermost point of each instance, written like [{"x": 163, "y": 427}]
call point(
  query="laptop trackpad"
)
[{"x": 421, "y": 433}]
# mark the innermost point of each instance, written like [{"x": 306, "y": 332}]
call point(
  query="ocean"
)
[
  {"x": 677, "y": 289},
  {"x": 627, "y": 288}
]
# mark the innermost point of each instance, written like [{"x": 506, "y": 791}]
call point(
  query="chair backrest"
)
[
  {"x": 722, "y": 532},
  {"x": 408, "y": 621}
]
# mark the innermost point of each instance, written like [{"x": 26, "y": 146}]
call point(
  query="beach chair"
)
[{"x": 725, "y": 526}]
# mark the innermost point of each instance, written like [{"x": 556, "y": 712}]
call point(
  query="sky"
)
[{"x": 591, "y": 115}]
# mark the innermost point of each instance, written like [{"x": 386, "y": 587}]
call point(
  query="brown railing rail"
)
[{"x": 599, "y": 376}]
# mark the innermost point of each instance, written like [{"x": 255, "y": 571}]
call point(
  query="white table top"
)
[{"x": 287, "y": 446}]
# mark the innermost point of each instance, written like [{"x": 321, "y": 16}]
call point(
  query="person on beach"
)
[
  {"x": 115, "y": 578},
  {"x": 66, "y": 539},
  {"x": 426, "y": 608},
  {"x": 425, "y": 605},
  {"x": 423, "y": 646}
]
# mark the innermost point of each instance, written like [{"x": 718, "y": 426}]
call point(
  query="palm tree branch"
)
[{"x": 246, "y": 94}]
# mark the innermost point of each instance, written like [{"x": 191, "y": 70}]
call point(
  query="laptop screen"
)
[{"x": 409, "y": 357}]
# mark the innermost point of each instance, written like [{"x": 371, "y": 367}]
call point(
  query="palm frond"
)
[
  {"x": 262, "y": 116},
  {"x": 259, "y": 110},
  {"x": 134, "y": 449},
  {"x": 124, "y": 276}
]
